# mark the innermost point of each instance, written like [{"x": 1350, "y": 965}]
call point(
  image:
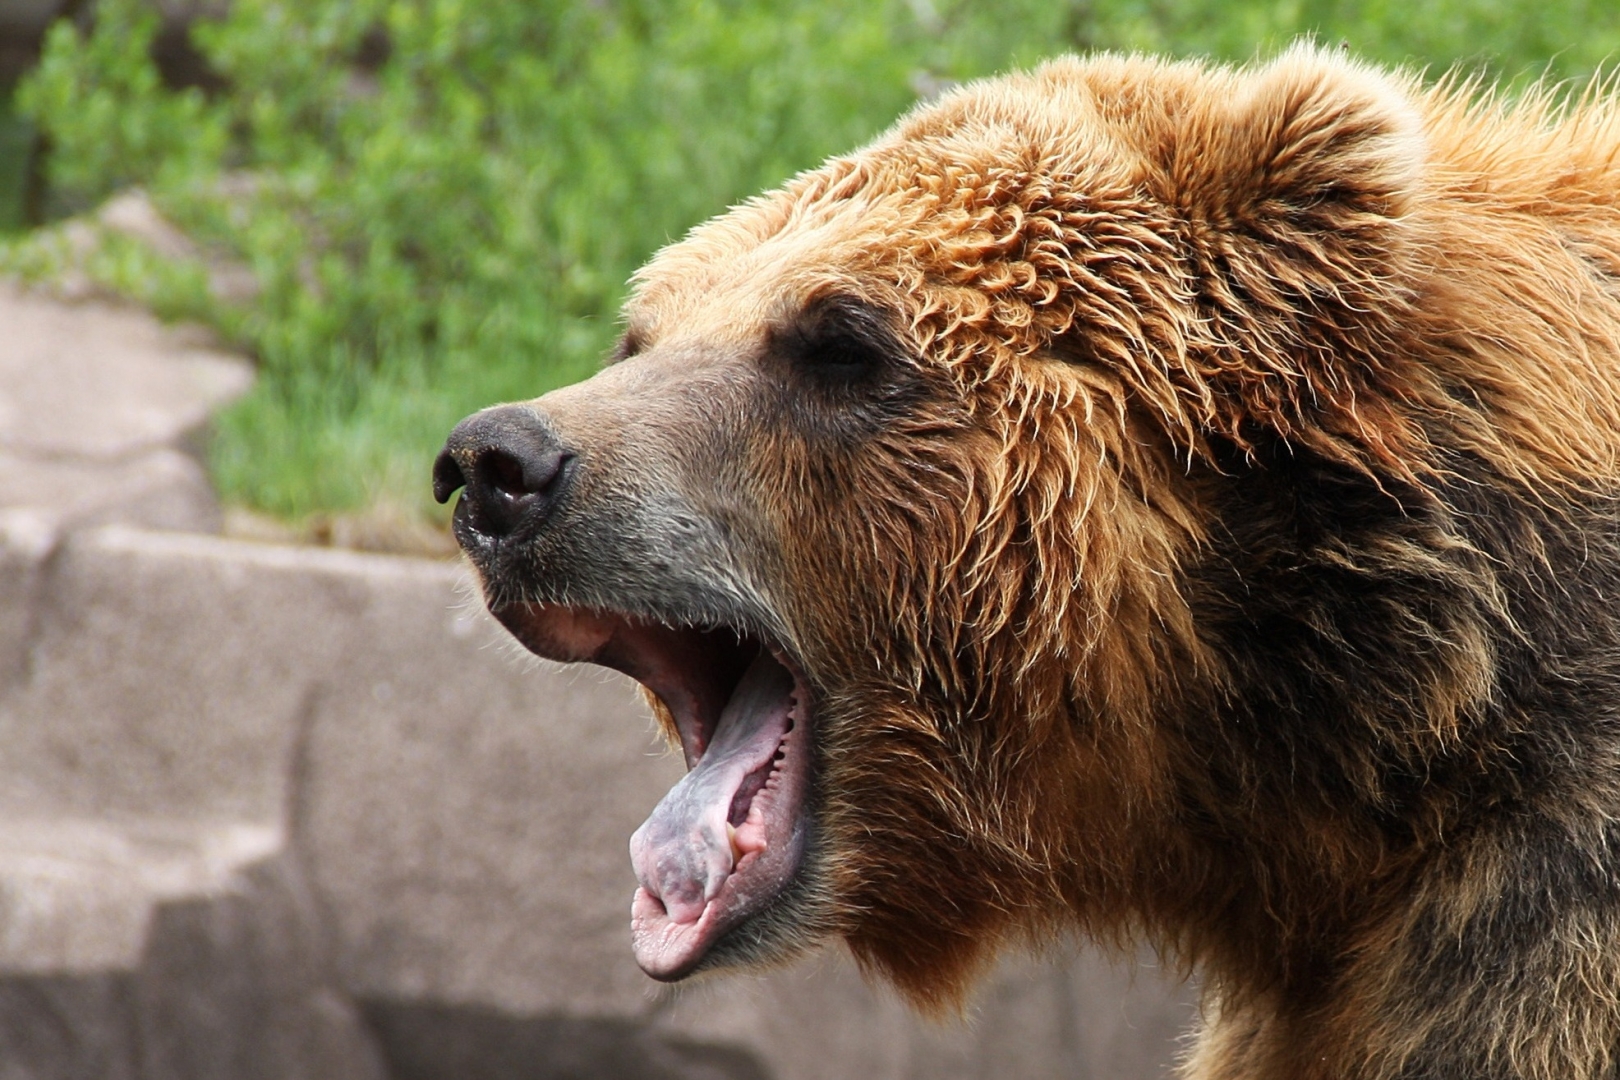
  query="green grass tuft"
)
[{"x": 442, "y": 199}]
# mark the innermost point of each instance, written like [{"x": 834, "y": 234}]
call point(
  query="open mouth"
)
[{"x": 728, "y": 839}]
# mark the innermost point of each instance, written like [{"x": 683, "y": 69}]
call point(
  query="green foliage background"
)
[{"x": 454, "y": 226}]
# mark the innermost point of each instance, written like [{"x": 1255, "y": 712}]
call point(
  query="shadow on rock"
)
[{"x": 443, "y": 1042}]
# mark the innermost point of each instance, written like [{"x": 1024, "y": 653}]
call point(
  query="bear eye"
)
[{"x": 837, "y": 341}]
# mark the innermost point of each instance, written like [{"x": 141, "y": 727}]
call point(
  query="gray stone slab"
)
[
  {"x": 461, "y": 812},
  {"x": 453, "y": 784},
  {"x": 77, "y": 895},
  {"x": 231, "y": 985},
  {"x": 168, "y": 678},
  {"x": 68, "y": 1027},
  {"x": 169, "y": 675},
  {"x": 238, "y": 985},
  {"x": 158, "y": 489},
  {"x": 101, "y": 381},
  {"x": 1073, "y": 1014},
  {"x": 434, "y": 1041},
  {"x": 42, "y": 499}
]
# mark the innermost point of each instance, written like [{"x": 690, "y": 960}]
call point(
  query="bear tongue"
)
[{"x": 685, "y": 852}]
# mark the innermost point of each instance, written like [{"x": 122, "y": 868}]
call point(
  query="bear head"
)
[{"x": 885, "y": 493}]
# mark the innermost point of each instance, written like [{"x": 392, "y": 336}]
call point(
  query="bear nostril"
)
[
  {"x": 504, "y": 474},
  {"x": 447, "y": 477},
  {"x": 501, "y": 473},
  {"x": 506, "y": 489}
]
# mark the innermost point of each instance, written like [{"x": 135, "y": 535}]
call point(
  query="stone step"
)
[
  {"x": 231, "y": 980},
  {"x": 167, "y": 676},
  {"x": 156, "y": 489},
  {"x": 457, "y": 816},
  {"x": 98, "y": 381},
  {"x": 77, "y": 895}
]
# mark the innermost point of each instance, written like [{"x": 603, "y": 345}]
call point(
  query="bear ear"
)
[
  {"x": 1314, "y": 143},
  {"x": 1290, "y": 184}
]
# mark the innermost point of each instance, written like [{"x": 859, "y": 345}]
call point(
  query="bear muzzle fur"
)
[{"x": 723, "y": 850}]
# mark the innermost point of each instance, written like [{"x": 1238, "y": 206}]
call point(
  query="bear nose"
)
[{"x": 511, "y": 464}]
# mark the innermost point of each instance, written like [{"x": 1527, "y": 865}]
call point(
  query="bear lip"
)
[{"x": 729, "y": 837}]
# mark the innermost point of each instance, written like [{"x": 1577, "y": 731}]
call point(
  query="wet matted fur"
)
[{"x": 1184, "y": 499}]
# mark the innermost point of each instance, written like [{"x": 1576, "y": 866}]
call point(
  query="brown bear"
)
[{"x": 1168, "y": 500}]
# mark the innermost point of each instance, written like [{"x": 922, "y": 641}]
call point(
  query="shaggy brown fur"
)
[{"x": 1190, "y": 493}]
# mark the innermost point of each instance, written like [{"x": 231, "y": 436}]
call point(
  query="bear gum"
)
[{"x": 1225, "y": 556}]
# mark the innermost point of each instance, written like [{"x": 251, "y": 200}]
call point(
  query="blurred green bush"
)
[{"x": 442, "y": 199}]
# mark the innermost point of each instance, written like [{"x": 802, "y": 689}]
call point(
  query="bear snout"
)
[{"x": 511, "y": 465}]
